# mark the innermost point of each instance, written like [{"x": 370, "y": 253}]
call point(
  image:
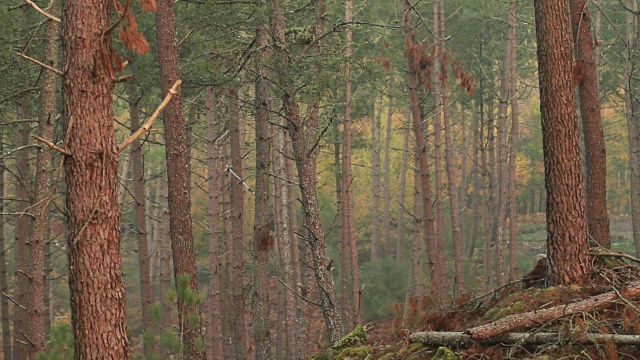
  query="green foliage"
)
[
  {"x": 385, "y": 283},
  {"x": 60, "y": 345}
]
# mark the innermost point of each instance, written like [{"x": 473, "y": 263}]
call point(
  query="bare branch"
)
[
  {"x": 147, "y": 126},
  {"x": 38, "y": 9},
  {"x": 51, "y": 145},
  {"x": 41, "y": 64}
]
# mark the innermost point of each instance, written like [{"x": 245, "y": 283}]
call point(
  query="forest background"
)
[{"x": 352, "y": 75}]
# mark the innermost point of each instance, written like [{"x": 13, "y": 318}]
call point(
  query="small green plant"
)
[{"x": 60, "y": 344}]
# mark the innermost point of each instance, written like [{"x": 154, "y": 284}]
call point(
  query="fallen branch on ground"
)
[
  {"x": 458, "y": 339},
  {"x": 535, "y": 318}
]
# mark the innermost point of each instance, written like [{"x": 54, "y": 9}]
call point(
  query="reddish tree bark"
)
[
  {"x": 568, "y": 248},
  {"x": 38, "y": 262},
  {"x": 184, "y": 264},
  {"x": 595, "y": 150},
  {"x": 137, "y": 164},
  {"x": 513, "y": 145},
  {"x": 436, "y": 263},
  {"x": 95, "y": 272},
  {"x": 4, "y": 287}
]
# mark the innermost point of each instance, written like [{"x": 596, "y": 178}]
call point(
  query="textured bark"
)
[
  {"x": 124, "y": 178},
  {"x": 543, "y": 316},
  {"x": 23, "y": 226},
  {"x": 502, "y": 169},
  {"x": 263, "y": 240},
  {"x": 286, "y": 235},
  {"x": 477, "y": 177},
  {"x": 633, "y": 122},
  {"x": 165, "y": 258},
  {"x": 4, "y": 287},
  {"x": 93, "y": 243},
  {"x": 513, "y": 145},
  {"x": 437, "y": 130},
  {"x": 347, "y": 206},
  {"x": 457, "y": 235},
  {"x": 376, "y": 246},
  {"x": 215, "y": 334},
  {"x": 236, "y": 197},
  {"x": 303, "y": 133},
  {"x": 402, "y": 185},
  {"x": 595, "y": 150},
  {"x": 389, "y": 246},
  {"x": 435, "y": 262},
  {"x": 38, "y": 262},
  {"x": 490, "y": 198},
  {"x": 567, "y": 245},
  {"x": 178, "y": 182},
  {"x": 137, "y": 164},
  {"x": 415, "y": 272}
]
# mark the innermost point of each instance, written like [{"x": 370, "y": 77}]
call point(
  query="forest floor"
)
[{"x": 523, "y": 320}]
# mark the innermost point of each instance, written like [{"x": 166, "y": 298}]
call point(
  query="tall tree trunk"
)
[
  {"x": 263, "y": 240},
  {"x": 215, "y": 334},
  {"x": 513, "y": 144},
  {"x": 38, "y": 262},
  {"x": 633, "y": 121},
  {"x": 457, "y": 234},
  {"x": 348, "y": 206},
  {"x": 178, "y": 183},
  {"x": 477, "y": 147},
  {"x": 376, "y": 246},
  {"x": 502, "y": 170},
  {"x": 124, "y": 178},
  {"x": 490, "y": 202},
  {"x": 23, "y": 226},
  {"x": 237, "y": 231},
  {"x": 287, "y": 233},
  {"x": 437, "y": 124},
  {"x": 402, "y": 185},
  {"x": 595, "y": 150},
  {"x": 389, "y": 246},
  {"x": 303, "y": 136},
  {"x": 137, "y": 164},
  {"x": 4, "y": 287},
  {"x": 567, "y": 244},
  {"x": 435, "y": 262},
  {"x": 415, "y": 272},
  {"x": 93, "y": 244}
]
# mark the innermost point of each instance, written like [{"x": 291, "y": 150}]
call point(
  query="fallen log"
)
[
  {"x": 535, "y": 318},
  {"x": 458, "y": 339}
]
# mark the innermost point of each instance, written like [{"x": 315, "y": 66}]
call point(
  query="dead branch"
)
[
  {"x": 13, "y": 301},
  {"x": 39, "y": 9},
  {"x": 537, "y": 317},
  {"x": 51, "y": 145},
  {"x": 458, "y": 339},
  {"x": 123, "y": 78},
  {"x": 50, "y": 68},
  {"x": 615, "y": 254},
  {"x": 147, "y": 126}
]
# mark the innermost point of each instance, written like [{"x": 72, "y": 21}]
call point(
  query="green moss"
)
[
  {"x": 357, "y": 336},
  {"x": 445, "y": 354},
  {"x": 356, "y": 353}
]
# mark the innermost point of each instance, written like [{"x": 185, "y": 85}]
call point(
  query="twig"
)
[
  {"x": 25, "y": 274},
  {"x": 299, "y": 295},
  {"x": 13, "y": 301},
  {"x": 38, "y": 9},
  {"x": 144, "y": 128},
  {"x": 240, "y": 179},
  {"x": 185, "y": 37},
  {"x": 51, "y": 145},
  {"x": 618, "y": 254},
  {"x": 41, "y": 64},
  {"x": 123, "y": 78}
]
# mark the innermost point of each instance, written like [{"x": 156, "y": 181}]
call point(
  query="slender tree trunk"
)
[
  {"x": 263, "y": 240},
  {"x": 236, "y": 174},
  {"x": 595, "y": 150},
  {"x": 124, "y": 178},
  {"x": 4, "y": 287},
  {"x": 437, "y": 124},
  {"x": 386, "y": 186},
  {"x": 436, "y": 263},
  {"x": 457, "y": 235},
  {"x": 567, "y": 243},
  {"x": 513, "y": 145},
  {"x": 376, "y": 246},
  {"x": 633, "y": 122},
  {"x": 137, "y": 164},
  {"x": 400, "y": 231},
  {"x": 178, "y": 183},
  {"x": 23, "y": 226},
  {"x": 215, "y": 334},
  {"x": 477, "y": 177},
  {"x": 38, "y": 261},
  {"x": 165, "y": 256},
  {"x": 93, "y": 244},
  {"x": 415, "y": 272}
]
